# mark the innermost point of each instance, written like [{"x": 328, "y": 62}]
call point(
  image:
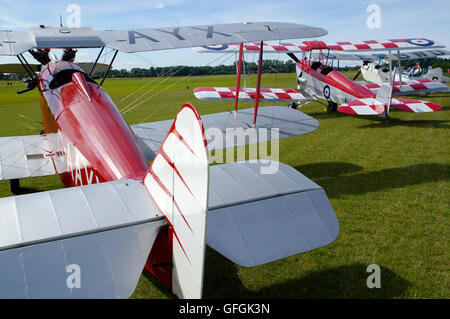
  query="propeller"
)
[{"x": 31, "y": 84}]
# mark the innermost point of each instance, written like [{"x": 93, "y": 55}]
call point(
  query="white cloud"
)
[{"x": 159, "y": 5}]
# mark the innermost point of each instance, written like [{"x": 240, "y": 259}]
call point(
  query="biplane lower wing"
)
[
  {"x": 25, "y": 156},
  {"x": 372, "y": 106},
  {"x": 221, "y": 129},
  {"x": 248, "y": 94}
]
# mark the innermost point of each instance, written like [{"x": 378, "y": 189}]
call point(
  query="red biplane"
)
[{"x": 118, "y": 215}]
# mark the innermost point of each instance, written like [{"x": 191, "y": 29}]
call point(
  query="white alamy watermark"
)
[
  {"x": 74, "y": 18},
  {"x": 74, "y": 278},
  {"x": 374, "y": 279},
  {"x": 255, "y": 145},
  {"x": 374, "y": 19},
  {"x": 251, "y": 144}
]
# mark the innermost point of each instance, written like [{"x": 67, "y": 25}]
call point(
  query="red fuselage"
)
[
  {"x": 90, "y": 140},
  {"x": 334, "y": 79}
]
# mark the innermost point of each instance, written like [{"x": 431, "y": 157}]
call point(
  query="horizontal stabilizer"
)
[
  {"x": 248, "y": 94},
  {"x": 80, "y": 242},
  {"x": 415, "y": 106},
  {"x": 221, "y": 129},
  {"x": 258, "y": 218},
  {"x": 419, "y": 86}
]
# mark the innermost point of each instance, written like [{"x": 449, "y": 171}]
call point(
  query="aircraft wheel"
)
[
  {"x": 293, "y": 105},
  {"x": 332, "y": 107}
]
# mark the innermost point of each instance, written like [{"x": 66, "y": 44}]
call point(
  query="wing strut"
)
[
  {"x": 399, "y": 67},
  {"x": 258, "y": 83},
  {"x": 109, "y": 68},
  {"x": 96, "y": 61},
  {"x": 238, "y": 80}
]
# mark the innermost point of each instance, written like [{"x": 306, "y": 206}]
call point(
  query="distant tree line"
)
[{"x": 269, "y": 66}]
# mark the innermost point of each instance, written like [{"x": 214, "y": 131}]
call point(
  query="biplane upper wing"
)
[
  {"x": 384, "y": 45},
  {"x": 25, "y": 156},
  {"x": 227, "y": 129},
  {"x": 139, "y": 40}
]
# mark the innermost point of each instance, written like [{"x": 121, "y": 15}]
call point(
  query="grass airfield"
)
[{"x": 387, "y": 182}]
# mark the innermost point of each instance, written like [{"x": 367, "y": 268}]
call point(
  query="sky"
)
[{"x": 344, "y": 20}]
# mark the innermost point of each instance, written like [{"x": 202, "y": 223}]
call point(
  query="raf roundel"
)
[
  {"x": 420, "y": 42},
  {"x": 326, "y": 91},
  {"x": 216, "y": 47}
]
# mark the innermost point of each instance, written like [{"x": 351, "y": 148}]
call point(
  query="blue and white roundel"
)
[
  {"x": 216, "y": 47},
  {"x": 420, "y": 42},
  {"x": 326, "y": 91}
]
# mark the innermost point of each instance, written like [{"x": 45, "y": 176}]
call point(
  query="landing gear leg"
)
[
  {"x": 14, "y": 186},
  {"x": 386, "y": 116}
]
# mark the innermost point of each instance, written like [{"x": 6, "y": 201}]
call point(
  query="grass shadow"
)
[
  {"x": 337, "y": 184},
  {"x": 347, "y": 281},
  {"x": 328, "y": 169},
  {"x": 393, "y": 122}
]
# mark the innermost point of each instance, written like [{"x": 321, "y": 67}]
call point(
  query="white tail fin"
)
[
  {"x": 178, "y": 183},
  {"x": 434, "y": 74}
]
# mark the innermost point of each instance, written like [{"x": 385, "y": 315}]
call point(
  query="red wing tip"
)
[
  {"x": 346, "y": 109},
  {"x": 435, "y": 107}
]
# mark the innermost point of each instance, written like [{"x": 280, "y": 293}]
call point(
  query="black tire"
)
[{"x": 332, "y": 107}]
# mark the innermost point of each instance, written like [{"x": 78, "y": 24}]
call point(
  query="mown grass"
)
[{"x": 387, "y": 182}]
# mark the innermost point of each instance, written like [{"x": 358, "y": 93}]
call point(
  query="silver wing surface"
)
[
  {"x": 255, "y": 218},
  {"x": 104, "y": 231},
  {"x": 139, "y": 40},
  {"x": 25, "y": 156},
  {"x": 227, "y": 129}
]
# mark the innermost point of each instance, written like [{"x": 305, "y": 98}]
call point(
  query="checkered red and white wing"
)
[
  {"x": 371, "y": 106},
  {"x": 367, "y": 106},
  {"x": 419, "y": 86},
  {"x": 384, "y": 45},
  {"x": 248, "y": 94}
]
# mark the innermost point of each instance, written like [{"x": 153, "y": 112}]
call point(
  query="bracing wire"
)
[{"x": 129, "y": 108}]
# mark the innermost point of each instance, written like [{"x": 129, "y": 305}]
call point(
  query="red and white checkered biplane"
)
[{"x": 317, "y": 79}]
